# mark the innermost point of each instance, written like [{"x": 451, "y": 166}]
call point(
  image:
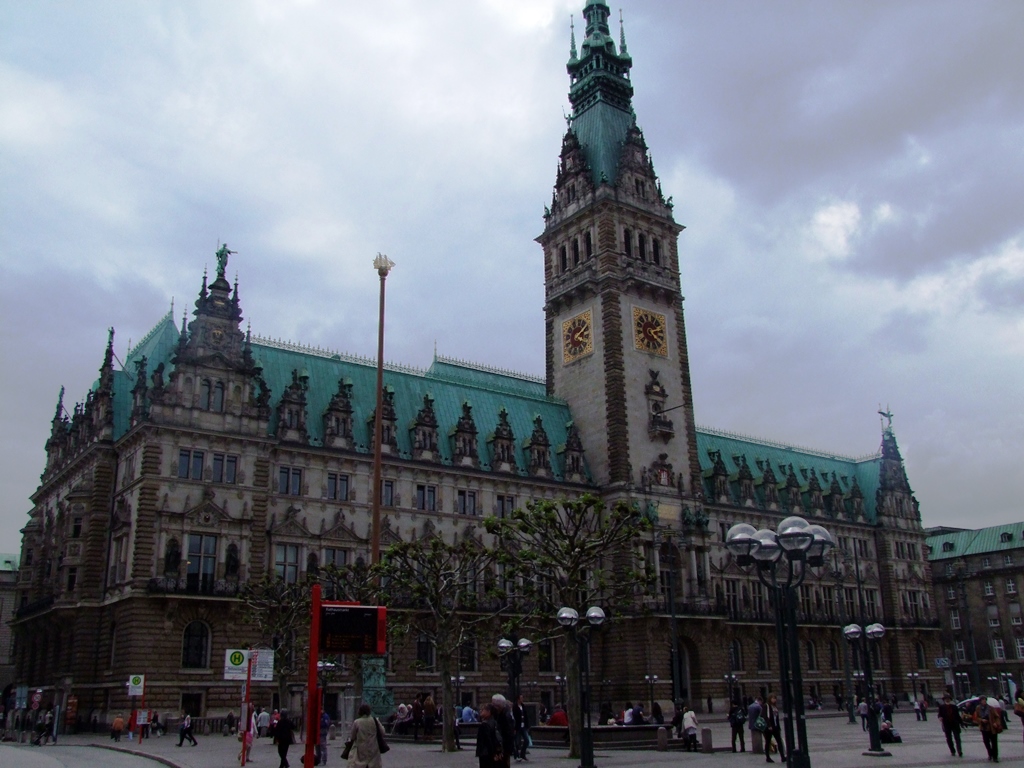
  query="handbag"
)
[
  {"x": 346, "y": 750},
  {"x": 382, "y": 746},
  {"x": 760, "y": 724}
]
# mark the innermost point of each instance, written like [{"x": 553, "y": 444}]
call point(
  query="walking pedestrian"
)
[
  {"x": 488, "y": 741},
  {"x": 522, "y": 739},
  {"x": 917, "y": 709},
  {"x": 284, "y": 735},
  {"x": 263, "y": 722},
  {"x": 690, "y": 729},
  {"x": 365, "y": 751},
  {"x": 862, "y": 710},
  {"x": 117, "y": 728},
  {"x": 949, "y": 717},
  {"x": 990, "y": 723},
  {"x": 773, "y": 729},
  {"x": 738, "y": 722},
  {"x": 325, "y": 730},
  {"x": 185, "y": 730}
]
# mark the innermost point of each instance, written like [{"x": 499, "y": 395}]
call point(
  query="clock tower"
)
[{"x": 616, "y": 342}]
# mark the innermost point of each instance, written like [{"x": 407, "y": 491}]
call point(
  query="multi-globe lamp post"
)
[
  {"x": 782, "y": 558},
  {"x": 511, "y": 655},
  {"x": 874, "y": 633},
  {"x": 650, "y": 680},
  {"x": 569, "y": 619},
  {"x": 912, "y": 677}
]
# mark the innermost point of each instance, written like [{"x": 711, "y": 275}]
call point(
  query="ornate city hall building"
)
[{"x": 214, "y": 456}]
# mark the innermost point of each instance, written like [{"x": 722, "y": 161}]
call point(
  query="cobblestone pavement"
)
[{"x": 834, "y": 743}]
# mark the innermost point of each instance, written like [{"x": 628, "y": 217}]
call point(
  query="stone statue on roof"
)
[{"x": 222, "y": 259}]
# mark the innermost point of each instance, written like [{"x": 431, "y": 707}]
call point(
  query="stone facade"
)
[
  {"x": 978, "y": 577},
  {"x": 215, "y": 457}
]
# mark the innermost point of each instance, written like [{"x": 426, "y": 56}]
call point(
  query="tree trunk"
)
[{"x": 447, "y": 705}]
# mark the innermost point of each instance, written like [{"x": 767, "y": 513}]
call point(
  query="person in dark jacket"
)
[
  {"x": 738, "y": 723},
  {"x": 506, "y": 727},
  {"x": 949, "y": 716},
  {"x": 285, "y": 735},
  {"x": 774, "y": 729},
  {"x": 488, "y": 741},
  {"x": 522, "y": 739}
]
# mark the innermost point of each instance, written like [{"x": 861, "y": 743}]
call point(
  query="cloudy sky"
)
[{"x": 850, "y": 175}]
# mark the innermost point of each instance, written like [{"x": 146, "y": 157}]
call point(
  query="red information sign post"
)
[{"x": 336, "y": 627}]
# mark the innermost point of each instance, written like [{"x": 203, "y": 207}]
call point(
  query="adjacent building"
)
[
  {"x": 979, "y": 575},
  {"x": 215, "y": 456}
]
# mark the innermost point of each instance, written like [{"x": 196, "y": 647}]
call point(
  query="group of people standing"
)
[{"x": 503, "y": 733}]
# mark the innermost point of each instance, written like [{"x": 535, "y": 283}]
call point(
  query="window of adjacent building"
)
[
  {"x": 757, "y": 597},
  {"x": 466, "y": 502},
  {"x": 337, "y": 486},
  {"x": 190, "y": 465},
  {"x": 871, "y": 597},
  {"x": 1015, "y": 614},
  {"x": 989, "y": 589},
  {"x": 812, "y": 656},
  {"x": 1020, "y": 646},
  {"x": 850, "y": 599},
  {"x": 335, "y": 557},
  {"x": 762, "y": 656},
  {"x": 949, "y": 569},
  {"x": 286, "y": 562},
  {"x": 506, "y": 504},
  {"x": 426, "y": 497},
  {"x": 195, "y": 646},
  {"x": 1007, "y": 559},
  {"x": 915, "y": 604},
  {"x": 958, "y": 648},
  {"x": 986, "y": 562},
  {"x": 1011, "y": 587},
  {"x": 546, "y": 656},
  {"x": 387, "y": 493},
  {"x": 951, "y": 593},
  {"x": 947, "y": 546},
  {"x": 735, "y": 656},
  {"x": 828, "y": 601},
  {"x": 862, "y": 547},
  {"x": 202, "y": 562},
  {"x": 76, "y": 527},
  {"x": 732, "y": 596},
  {"x": 1005, "y": 536},
  {"x": 425, "y": 653},
  {"x": 806, "y": 606},
  {"x": 998, "y": 651},
  {"x": 467, "y": 655},
  {"x": 993, "y": 615},
  {"x": 72, "y": 579},
  {"x": 225, "y": 468},
  {"x": 289, "y": 481},
  {"x": 954, "y": 619}
]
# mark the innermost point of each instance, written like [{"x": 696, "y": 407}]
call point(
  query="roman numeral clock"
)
[{"x": 649, "y": 332}]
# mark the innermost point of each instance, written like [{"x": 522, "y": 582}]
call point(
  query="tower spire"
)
[
  {"x": 622, "y": 36},
  {"x": 572, "y": 39}
]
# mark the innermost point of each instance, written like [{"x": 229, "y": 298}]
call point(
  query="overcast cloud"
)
[{"x": 850, "y": 175}]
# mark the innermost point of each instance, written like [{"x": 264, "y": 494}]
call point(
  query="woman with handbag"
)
[
  {"x": 366, "y": 740},
  {"x": 488, "y": 742}
]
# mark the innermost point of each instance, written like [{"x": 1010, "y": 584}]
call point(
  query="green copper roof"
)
[
  {"x": 759, "y": 453},
  {"x": 979, "y": 542}
]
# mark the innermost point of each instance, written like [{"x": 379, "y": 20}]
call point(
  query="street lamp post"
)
[
  {"x": 730, "y": 682},
  {"x": 383, "y": 266},
  {"x": 511, "y": 655},
  {"x": 569, "y": 618},
  {"x": 560, "y": 680},
  {"x": 782, "y": 560},
  {"x": 856, "y": 634},
  {"x": 457, "y": 681},
  {"x": 651, "y": 680},
  {"x": 912, "y": 676}
]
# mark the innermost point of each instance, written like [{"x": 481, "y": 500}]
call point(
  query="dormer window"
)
[
  {"x": 947, "y": 546},
  {"x": 1005, "y": 536}
]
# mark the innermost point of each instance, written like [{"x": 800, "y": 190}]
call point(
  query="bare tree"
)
[{"x": 575, "y": 553}]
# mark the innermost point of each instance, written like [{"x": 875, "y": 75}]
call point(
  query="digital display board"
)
[{"x": 353, "y": 628}]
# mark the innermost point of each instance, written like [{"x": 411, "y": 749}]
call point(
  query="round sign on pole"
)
[{"x": 237, "y": 658}]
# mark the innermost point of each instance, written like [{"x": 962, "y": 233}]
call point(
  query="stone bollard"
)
[
  {"x": 705, "y": 740},
  {"x": 757, "y": 742},
  {"x": 662, "y": 739},
  {"x": 332, "y": 732}
]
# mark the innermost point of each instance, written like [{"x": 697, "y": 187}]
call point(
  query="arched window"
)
[
  {"x": 204, "y": 395},
  {"x": 195, "y": 646},
  {"x": 921, "y": 662},
  {"x": 735, "y": 655},
  {"x": 218, "y": 397},
  {"x": 812, "y": 656},
  {"x": 762, "y": 656}
]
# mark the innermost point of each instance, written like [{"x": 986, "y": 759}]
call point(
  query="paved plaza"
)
[{"x": 834, "y": 744}]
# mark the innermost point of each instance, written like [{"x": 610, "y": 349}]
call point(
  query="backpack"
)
[{"x": 738, "y": 716}]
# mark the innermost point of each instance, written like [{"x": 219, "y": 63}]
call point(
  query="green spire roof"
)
[{"x": 600, "y": 93}]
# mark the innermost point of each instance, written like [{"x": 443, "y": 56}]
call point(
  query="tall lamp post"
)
[
  {"x": 561, "y": 681},
  {"x": 855, "y": 634},
  {"x": 912, "y": 676},
  {"x": 782, "y": 558},
  {"x": 457, "y": 681},
  {"x": 383, "y": 266},
  {"x": 650, "y": 680},
  {"x": 569, "y": 618},
  {"x": 511, "y": 655},
  {"x": 730, "y": 683}
]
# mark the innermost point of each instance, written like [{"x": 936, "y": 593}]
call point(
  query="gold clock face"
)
[
  {"x": 649, "y": 333},
  {"x": 577, "y": 337}
]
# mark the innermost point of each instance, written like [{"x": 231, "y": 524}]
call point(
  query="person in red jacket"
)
[{"x": 558, "y": 717}]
